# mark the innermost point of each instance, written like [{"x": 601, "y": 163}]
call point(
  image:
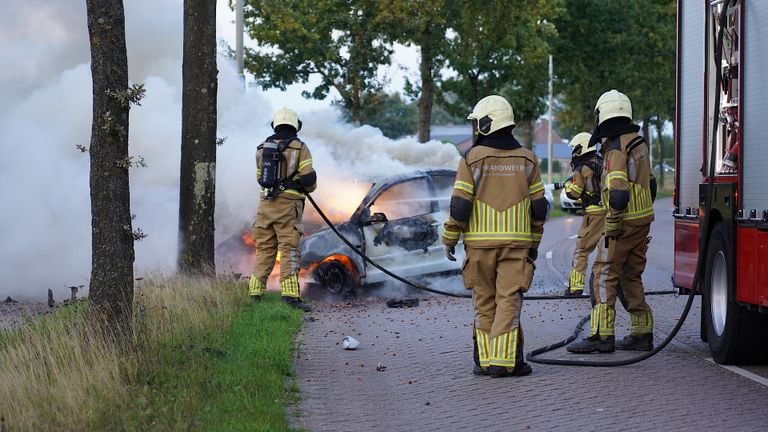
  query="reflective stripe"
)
[
  {"x": 536, "y": 187},
  {"x": 293, "y": 192},
  {"x": 640, "y": 323},
  {"x": 483, "y": 348},
  {"x": 303, "y": 164},
  {"x": 612, "y": 226},
  {"x": 574, "y": 188},
  {"x": 290, "y": 286},
  {"x": 512, "y": 224},
  {"x": 576, "y": 280},
  {"x": 603, "y": 318},
  {"x": 596, "y": 209},
  {"x": 640, "y": 203},
  {"x": 255, "y": 286},
  {"x": 464, "y": 186},
  {"x": 621, "y": 175},
  {"x": 451, "y": 235},
  {"x": 504, "y": 349}
]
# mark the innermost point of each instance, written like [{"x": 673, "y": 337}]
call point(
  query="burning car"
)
[{"x": 398, "y": 225}]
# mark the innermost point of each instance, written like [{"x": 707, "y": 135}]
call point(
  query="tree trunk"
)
[
  {"x": 198, "y": 140},
  {"x": 527, "y": 131},
  {"x": 112, "y": 255},
  {"x": 426, "y": 67}
]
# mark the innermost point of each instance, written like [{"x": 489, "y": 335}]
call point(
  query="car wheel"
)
[
  {"x": 734, "y": 334},
  {"x": 336, "y": 278}
]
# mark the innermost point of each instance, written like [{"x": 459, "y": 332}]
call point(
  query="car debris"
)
[
  {"x": 350, "y": 343},
  {"x": 403, "y": 302},
  {"x": 380, "y": 368},
  {"x": 10, "y": 300}
]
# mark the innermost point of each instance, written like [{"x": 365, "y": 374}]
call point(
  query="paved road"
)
[{"x": 412, "y": 371}]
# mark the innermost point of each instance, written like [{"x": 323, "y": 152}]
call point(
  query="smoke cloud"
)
[{"x": 45, "y": 87}]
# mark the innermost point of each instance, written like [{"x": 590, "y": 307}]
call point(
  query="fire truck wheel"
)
[
  {"x": 619, "y": 292},
  {"x": 336, "y": 278},
  {"x": 735, "y": 334}
]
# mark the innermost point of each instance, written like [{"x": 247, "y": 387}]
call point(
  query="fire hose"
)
[
  {"x": 532, "y": 356},
  {"x": 422, "y": 287}
]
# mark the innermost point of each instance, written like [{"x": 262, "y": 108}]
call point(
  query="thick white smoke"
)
[{"x": 45, "y": 89}]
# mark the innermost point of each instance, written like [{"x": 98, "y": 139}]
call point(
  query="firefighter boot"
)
[
  {"x": 297, "y": 303},
  {"x": 643, "y": 342},
  {"x": 522, "y": 369},
  {"x": 573, "y": 292},
  {"x": 592, "y": 344}
]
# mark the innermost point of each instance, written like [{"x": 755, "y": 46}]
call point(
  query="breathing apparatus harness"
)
[
  {"x": 272, "y": 160},
  {"x": 595, "y": 163}
]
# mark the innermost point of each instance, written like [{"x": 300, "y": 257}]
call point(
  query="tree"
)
[
  {"x": 424, "y": 24},
  {"x": 197, "y": 191},
  {"x": 344, "y": 43},
  {"x": 112, "y": 236},
  {"x": 395, "y": 117},
  {"x": 500, "y": 48},
  {"x": 628, "y": 46}
]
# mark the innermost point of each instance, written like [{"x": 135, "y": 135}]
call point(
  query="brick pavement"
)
[{"x": 428, "y": 385}]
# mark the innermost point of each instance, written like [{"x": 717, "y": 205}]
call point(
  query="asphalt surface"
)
[{"x": 412, "y": 370}]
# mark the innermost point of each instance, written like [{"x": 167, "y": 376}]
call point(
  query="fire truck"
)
[{"x": 721, "y": 175}]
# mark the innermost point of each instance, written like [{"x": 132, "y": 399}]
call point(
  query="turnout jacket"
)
[
  {"x": 298, "y": 160},
  {"x": 498, "y": 198},
  {"x": 626, "y": 183},
  {"x": 582, "y": 184}
]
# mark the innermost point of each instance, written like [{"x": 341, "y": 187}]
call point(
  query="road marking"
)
[
  {"x": 573, "y": 236},
  {"x": 739, "y": 371},
  {"x": 549, "y": 255},
  {"x": 697, "y": 353}
]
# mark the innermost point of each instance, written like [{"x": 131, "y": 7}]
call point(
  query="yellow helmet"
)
[
  {"x": 612, "y": 104},
  {"x": 286, "y": 116},
  {"x": 491, "y": 114},
  {"x": 580, "y": 144}
]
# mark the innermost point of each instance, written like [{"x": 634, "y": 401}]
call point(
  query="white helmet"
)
[
  {"x": 612, "y": 104},
  {"x": 286, "y": 116},
  {"x": 491, "y": 114},
  {"x": 580, "y": 144}
]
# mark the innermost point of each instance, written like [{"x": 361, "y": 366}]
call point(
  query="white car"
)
[
  {"x": 568, "y": 204},
  {"x": 398, "y": 224}
]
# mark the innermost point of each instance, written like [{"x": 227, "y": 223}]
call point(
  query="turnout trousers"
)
[
  {"x": 277, "y": 228},
  {"x": 621, "y": 261},
  {"x": 498, "y": 278},
  {"x": 588, "y": 237}
]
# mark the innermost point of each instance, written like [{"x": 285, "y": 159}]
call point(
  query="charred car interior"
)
[{"x": 398, "y": 225}]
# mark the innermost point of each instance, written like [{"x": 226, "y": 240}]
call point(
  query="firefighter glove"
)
[
  {"x": 449, "y": 252},
  {"x": 533, "y": 253}
]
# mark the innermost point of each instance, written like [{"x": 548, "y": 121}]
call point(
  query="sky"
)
[{"x": 45, "y": 112}]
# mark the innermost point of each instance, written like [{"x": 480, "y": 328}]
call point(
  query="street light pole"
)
[
  {"x": 239, "y": 55},
  {"x": 550, "y": 162}
]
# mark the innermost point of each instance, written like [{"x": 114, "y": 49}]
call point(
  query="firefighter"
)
[
  {"x": 621, "y": 252},
  {"x": 587, "y": 164},
  {"x": 498, "y": 206},
  {"x": 284, "y": 170}
]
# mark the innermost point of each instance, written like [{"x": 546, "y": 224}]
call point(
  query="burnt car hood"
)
[{"x": 322, "y": 244}]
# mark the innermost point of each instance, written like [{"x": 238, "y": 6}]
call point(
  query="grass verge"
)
[{"x": 202, "y": 358}]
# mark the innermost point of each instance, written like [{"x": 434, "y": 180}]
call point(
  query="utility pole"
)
[
  {"x": 239, "y": 54},
  {"x": 549, "y": 130}
]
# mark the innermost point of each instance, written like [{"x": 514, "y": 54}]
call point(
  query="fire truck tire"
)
[
  {"x": 336, "y": 278},
  {"x": 619, "y": 293},
  {"x": 735, "y": 334}
]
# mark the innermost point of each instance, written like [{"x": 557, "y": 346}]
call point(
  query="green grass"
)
[
  {"x": 202, "y": 358},
  {"x": 231, "y": 379},
  {"x": 246, "y": 390}
]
